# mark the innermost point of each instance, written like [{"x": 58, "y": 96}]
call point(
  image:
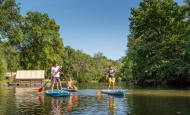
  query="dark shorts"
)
[{"x": 53, "y": 79}]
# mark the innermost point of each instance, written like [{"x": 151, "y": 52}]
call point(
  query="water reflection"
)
[
  {"x": 63, "y": 105},
  {"x": 111, "y": 106},
  {"x": 40, "y": 100},
  {"x": 114, "y": 104},
  {"x": 138, "y": 100},
  {"x": 56, "y": 105}
]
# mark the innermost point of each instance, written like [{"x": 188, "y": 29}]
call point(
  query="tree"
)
[
  {"x": 9, "y": 21},
  {"x": 81, "y": 62},
  {"x": 3, "y": 65},
  {"x": 126, "y": 69},
  {"x": 71, "y": 60},
  {"x": 42, "y": 44},
  {"x": 11, "y": 56},
  {"x": 156, "y": 45},
  {"x": 98, "y": 57}
]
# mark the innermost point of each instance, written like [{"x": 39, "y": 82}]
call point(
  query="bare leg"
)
[
  {"x": 57, "y": 85},
  {"x": 52, "y": 85},
  {"x": 67, "y": 87},
  {"x": 109, "y": 85},
  {"x": 113, "y": 86},
  {"x": 71, "y": 87},
  {"x": 60, "y": 86}
]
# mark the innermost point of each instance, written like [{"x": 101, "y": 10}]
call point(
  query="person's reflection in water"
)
[
  {"x": 73, "y": 101},
  {"x": 111, "y": 106},
  {"x": 55, "y": 106},
  {"x": 40, "y": 99},
  {"x": 58, "y": 107}
]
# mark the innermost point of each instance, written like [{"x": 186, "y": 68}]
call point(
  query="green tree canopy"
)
[
  {"x": 157, "y": 40},
  {"x": 42, "y": 44}
]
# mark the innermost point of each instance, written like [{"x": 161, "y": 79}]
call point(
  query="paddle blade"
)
[
  {"x": 40, "y": 90},
  {"x": 99, "y": 92},
  {"x": 75, "y": 87}
]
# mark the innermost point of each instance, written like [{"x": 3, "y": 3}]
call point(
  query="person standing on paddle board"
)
[
  {"x": 56, "y": 77},
  {"x": 111, "y": 75}
]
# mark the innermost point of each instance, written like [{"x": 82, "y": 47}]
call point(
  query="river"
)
[{"x": 138, "y": 100}]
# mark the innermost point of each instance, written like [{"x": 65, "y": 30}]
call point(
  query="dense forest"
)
[
  {"x": 33, "y": 42},
  {"x": 158, "y": 47},
  {"x": 159, "y": 42}
]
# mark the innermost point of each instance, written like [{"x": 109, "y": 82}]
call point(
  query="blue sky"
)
[{"x": 91, "y": 25}]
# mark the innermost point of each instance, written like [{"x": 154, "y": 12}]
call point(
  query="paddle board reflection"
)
[
  {"x": 63, "y": 105},
  {"x": 111, "y": 106}
]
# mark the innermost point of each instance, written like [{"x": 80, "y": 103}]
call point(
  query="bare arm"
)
[
  {"x": 107, "y": 76},
  {"x": 60, "y": 69},
  {"x": 52, "y": 73},
  {"x": 114, "y": 69}
]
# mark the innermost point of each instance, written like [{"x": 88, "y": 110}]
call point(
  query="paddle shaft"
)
[
  {"x": 104, "y": 83},
  {"x": 64, "y": 75},
  {"x": 47, "y": 81},
  {"x": 68, "y": 79}
]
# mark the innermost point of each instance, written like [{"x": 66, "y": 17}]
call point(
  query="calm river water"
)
[{"x": 138, "y": 100}]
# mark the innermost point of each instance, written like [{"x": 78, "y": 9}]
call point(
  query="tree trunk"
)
[
  {"x": 77, "y": 75},
  {"x": 11, "y": 71},
  {"x": 95, "y": 77}
]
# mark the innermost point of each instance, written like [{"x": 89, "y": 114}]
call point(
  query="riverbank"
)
[{"x": 4, "y": 82}]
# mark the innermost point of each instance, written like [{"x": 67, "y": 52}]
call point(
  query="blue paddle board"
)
[
  {"x": 120, "y": 93},
  {"x": 70, "y": 90},
  {"x": 57, "y": 93}
]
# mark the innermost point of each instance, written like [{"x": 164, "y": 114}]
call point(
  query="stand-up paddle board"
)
[
  {"x": 70, "y": 90},
  {"x": 121, "y": 93},
  {"x": 57, "y": 93}
]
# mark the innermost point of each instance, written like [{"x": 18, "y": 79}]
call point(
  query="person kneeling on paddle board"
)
[
  {"x": 55, "y": 76},
  {"x": 69, "y": 82},
  {"x": 111, "y": 75}
]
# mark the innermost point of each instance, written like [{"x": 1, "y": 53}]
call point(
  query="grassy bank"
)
[{"x": 4, "y": 82}]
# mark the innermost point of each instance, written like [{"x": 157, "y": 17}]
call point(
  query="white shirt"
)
[{"x": 55, "y": 71}]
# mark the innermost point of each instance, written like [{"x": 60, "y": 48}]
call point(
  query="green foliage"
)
[
  {"x": 11, "y": 56},
  {"x": 119, "y": 79},
  {"x": 42, "y": 44},
  {"x": 3, "y": 65},
  {"x": 83, "y": 77},
  {"x": 158, "y": 42},
  {"x": 10, "y": 17},
  {"x": 128, "y": 78},
  {"x": 33, "y": 42},
  {"x": 127, "y": 68}
]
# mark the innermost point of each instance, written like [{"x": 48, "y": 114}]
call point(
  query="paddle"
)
[
  {"x": 67, "y": 79},
  {"x": 40, "y": 90},
  {"x": 99, "y": 92}
]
